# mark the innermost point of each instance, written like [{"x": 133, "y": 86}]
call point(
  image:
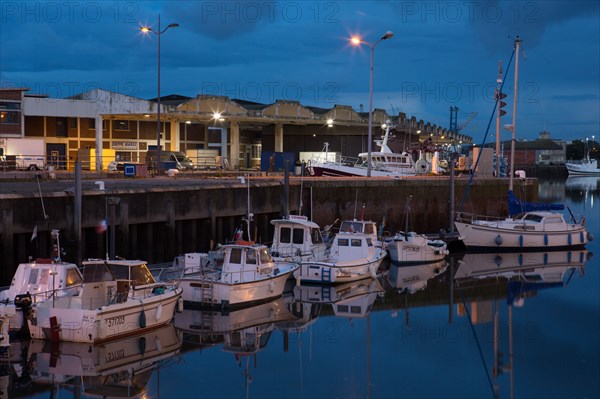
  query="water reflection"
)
[{"x": 120, "y": 368}]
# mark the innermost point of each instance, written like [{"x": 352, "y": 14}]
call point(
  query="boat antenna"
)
[{"x": 355, "y": 201}]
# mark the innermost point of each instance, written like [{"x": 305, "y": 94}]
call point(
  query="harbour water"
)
[{"x": 471, "y": 327}]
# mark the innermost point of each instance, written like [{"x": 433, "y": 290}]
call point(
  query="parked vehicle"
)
[
  {"x": 181, "y": 161},
  {"x": 22, "y": 154}
]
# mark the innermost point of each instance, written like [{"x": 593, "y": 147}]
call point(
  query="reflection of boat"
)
[
  {"x": 585, "y": 183},
  {"x": 248, "y": 274},
  {"x": 384, "y": 162},
  {"x": 119, "y": 368},
  {"x": 352, "y": 256},
  {"x": 118, "y": 298},
  {"x": 298, "y": 239},
  {"x": 352, "y": 299},
  {"x": 414, "y": 278},
  {"x": 549, "y": 267},
  {"x": 211, "y": 322}
]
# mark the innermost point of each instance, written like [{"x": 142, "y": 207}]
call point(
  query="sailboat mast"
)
[{"x": 514, "y": 116}]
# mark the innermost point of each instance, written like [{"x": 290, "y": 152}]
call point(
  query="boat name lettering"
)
[
  {"x": 114, "y": 321},
  {"x": 115, "y": 355},
  {"x": 264, "y": 270},
  {"x": 411, "y": 279},
  {"x": 88, "y": 318},
  {"x": 411, "y": 248}
]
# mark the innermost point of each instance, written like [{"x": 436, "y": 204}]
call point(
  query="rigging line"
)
[
  {"x": 37, "y": 177},
  {"x": 487, "y": 372},
  {"x": 487, "y": 130}
]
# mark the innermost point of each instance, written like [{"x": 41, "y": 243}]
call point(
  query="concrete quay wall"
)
[{"x": 156, "y": 219}]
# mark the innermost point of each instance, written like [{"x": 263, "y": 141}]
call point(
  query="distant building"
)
[{"x": 542, "y": 151}]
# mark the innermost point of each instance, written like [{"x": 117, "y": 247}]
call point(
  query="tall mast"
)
[{"x": 514, "y": 116}]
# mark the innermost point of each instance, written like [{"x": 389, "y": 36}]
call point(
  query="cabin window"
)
[
  {"x": 73, "y": 277},
  {"x": 533, "y": 218},
  {"x": 316, "y": 236},
  {"x": 369, "y": 242},
  {"x": 235, "y": 256},
  {"x": 370, "y": 229},
  {"x": 285, "y": 235},
  {"x": 44, "y": 277},
  {"x": 355, "y": 309},
  {"x": 553, "y": 220},
  {"x": 33, "y": 276},
  {"x": 343, "y": 242},
  {"x": 250, "y": 257},
  {"x": 264, "y": 256},
  {"x": 356, "y": 242},
  {"x": 343, "y": 308},
  {"x": 298, "y": 236}
]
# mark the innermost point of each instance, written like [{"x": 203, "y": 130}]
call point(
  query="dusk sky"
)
[{"x": 442, "y": 54}]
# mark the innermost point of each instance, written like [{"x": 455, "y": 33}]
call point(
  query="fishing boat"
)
[
  {"x": 118, "y": 298},
  {"x": 408, "y": 247},
  {"x": 36, "y": 281},
  {"x": 297, "y": 239},
  {"x": 247, "y": 274},
  {"x": 384, "y": 162},
  {"x": 367, "y": 227},
  {"x": 352, "y": 256},
  {"x": 584, "y": 167},
  {"x": 529, "y": 226}
]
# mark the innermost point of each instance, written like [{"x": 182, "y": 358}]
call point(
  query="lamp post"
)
[
  {"x": 358, "y": 41},
  {"x": 158, "y": 33}
]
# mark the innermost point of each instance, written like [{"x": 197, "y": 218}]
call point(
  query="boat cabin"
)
[
  {"x": 243, "y": 263},
  {"x": 539, "y": 220},
  {"x": 352, "y": 246},
  {"x": 43, "y": 278},
  {"x": 296, "y": 236},
  {"x": 359, "y": 226}
]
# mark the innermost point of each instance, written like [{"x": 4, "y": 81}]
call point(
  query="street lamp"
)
[
  {"x": 356, "y": 40},
  {"x": 158, "y": 33}
]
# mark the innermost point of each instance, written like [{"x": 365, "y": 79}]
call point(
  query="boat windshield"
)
[
  {"x": 264, "y": 256},
  {"x": 317, "y": 238},
  {"x": 138, "y": 274}
]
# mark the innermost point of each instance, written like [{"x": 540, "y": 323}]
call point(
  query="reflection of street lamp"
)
[
  {"x": 358, "y": 41},
  {"x": 185, "y": 133},
  {"x": 158, "y": 33}
]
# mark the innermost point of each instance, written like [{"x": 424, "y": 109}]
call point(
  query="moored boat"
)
[
  {"x": 297, "y": 239},
  {"x": 352, "y": 256},
  {"x": 118, "y": 298},
  {"x": 586, "y": 167},
  {"x": 246, "y": 275},
  {"x": 384, "y": 162}
]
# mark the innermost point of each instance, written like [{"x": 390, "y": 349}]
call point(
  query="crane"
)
[{"x": 454, "y": 126}]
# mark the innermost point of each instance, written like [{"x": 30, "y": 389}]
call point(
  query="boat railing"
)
[
  {"x": 56, "y": 293},
  {"x": 472, "y": 217}
]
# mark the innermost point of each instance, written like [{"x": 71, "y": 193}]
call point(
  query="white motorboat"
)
[
  {"x": 583, "y": 168},
  {"x": 384, "y": 162},
  {"x": 352, "y": 256},
  {"x": 413, "y": 248},
  {"x": 246, "y": 275},
  {"x": 118, "y": 298},
  {"x": 408, "y": 247},
  {"x": 530, "y": 226},
  {"x": 297, "y": 239},
  {"x": 414, "y": 278},
  {"x": 37, "y": 281}
]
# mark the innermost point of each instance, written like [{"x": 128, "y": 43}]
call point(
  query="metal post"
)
[
  {"x": 370, "y": 131},
  {"x": 158, "y": 146},
  {"x": 77, "y": 213}
]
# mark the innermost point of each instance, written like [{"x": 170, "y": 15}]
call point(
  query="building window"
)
[
  {"x": 73, "y": 123},
  {"x": 121, "y": 125},
  {"x": 9, "y": 117},
  {"x": 91, "y": 123}
]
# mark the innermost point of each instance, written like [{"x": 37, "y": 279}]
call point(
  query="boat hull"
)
[
  {"x": 332, "y": 273},
  {"x": 59, "y": 321},
  {"x": 199, "y": 292},
  {"x": 485, "y": 238},
  {"x": 415, "y": 251},
  {"x": 348, "y": 171},
  {"x": 583, "y": 169}
]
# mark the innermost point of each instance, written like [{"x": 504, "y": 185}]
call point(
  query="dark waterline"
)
[{"x": 423, "y": 332}]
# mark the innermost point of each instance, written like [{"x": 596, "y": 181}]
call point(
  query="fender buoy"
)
[
  {"x": 521, "y": 240},
  {"x": 498, "y": 240},
  {"x": 545, "y": 239},
  {"x": 545, "y": 259},
  {"x": 158, "y": 314},
  {"x": 142, "y": 319}
]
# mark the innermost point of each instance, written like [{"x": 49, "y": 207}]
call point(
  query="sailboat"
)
[{"x": 529, "y": 226}]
